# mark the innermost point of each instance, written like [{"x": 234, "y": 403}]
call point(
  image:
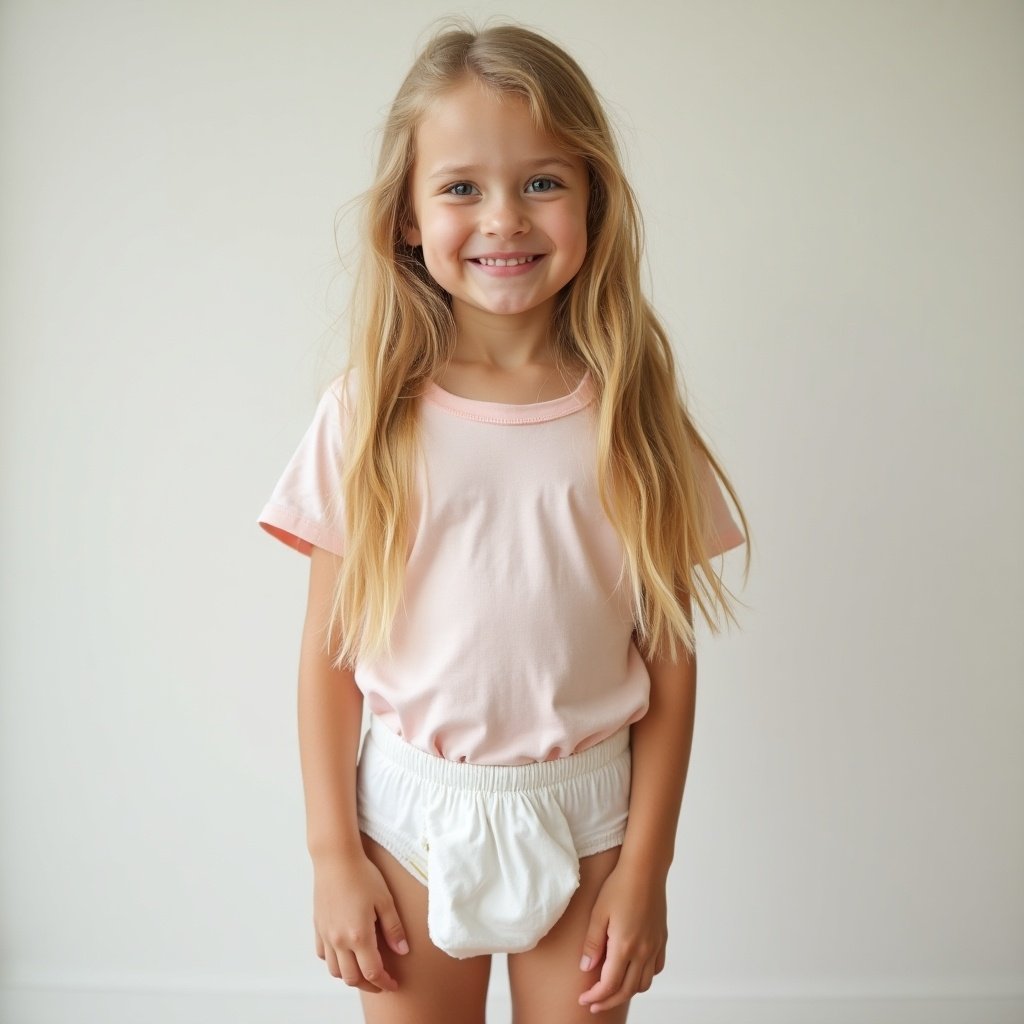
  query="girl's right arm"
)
[{"x": 349, "y": 894}]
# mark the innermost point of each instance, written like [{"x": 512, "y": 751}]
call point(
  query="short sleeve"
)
[
  {"x": 305, "y": 507},
  {"x": 726, "y": 534}
]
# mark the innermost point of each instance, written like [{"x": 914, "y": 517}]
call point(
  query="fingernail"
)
[
  {"x": 403, "y": 947},
  {"x": 585, "y": 964}
]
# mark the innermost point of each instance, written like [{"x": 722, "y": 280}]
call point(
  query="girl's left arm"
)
[{"x": 628, "y": 925}]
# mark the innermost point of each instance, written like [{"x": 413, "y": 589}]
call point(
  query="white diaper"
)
[{"x": 497, "y": 846}]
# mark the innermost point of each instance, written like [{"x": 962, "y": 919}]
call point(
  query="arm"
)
[
  {"x": 330, "y": 709},
  {"x": 661, "y": 743},
  {"x": 629, "y": 922},
  {"x": 350, "y": 895}
]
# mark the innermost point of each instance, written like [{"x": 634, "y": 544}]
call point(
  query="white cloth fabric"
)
[{"x": 497, "y": 846}]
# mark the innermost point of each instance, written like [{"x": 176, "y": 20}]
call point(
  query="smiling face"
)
[{"x": 500, "y": 207}]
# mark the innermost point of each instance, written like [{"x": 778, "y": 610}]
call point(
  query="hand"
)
[
  {"x": 350, "y": 897},
  {"x": 628, "y": 930}
]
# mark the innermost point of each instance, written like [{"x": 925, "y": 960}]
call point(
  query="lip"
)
[
  {"x": 503, "y": 255},
  {"x": 516, "y": 270}
]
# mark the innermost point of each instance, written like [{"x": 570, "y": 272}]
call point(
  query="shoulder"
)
[
  {"x": 344, "y": 384},
  {"x": 338, "y": 398}
]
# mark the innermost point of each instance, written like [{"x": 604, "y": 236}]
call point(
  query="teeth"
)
[{"x": 514, "y": 262}]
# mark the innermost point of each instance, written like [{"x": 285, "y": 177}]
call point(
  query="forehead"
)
[{"x": 471, "y": 124}]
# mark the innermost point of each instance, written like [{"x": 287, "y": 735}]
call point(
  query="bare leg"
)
[
  {"x": 546, "y": 981},
  {"x": 433, "y": 987}
]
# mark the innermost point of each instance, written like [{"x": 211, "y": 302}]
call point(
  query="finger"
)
[
  {"x": 348, "y": 971},
  {"x": 371, "y": 967},
  {"x": 319, "y": 945},
  {"x": 335, "y": 963},
  {"x": 594, "y": 941},
  {"x": 612, "y": 973},
  {"x": 659, "y": 964},
  {"x": 391, "y": 928},
  {"x": 626, "y": 991},
  {"x": 646, "y": 976}
]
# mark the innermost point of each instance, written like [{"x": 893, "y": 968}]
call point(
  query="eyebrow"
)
[{"x": 454, "y": 170}]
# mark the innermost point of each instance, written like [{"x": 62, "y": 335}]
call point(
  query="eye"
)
[
  {"x": 543, "y": 185},
  {"x": 460, "y": 188}
]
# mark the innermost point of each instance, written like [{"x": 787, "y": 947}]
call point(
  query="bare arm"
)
[
  {"x": 330, "y": 720},
  {"x": 350, "y": 897},
  {"x": 661, "y": 743},
  {"x": 628, "y": 926}
]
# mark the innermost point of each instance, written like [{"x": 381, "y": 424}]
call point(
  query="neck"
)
[{"x": 504, "y": 341}]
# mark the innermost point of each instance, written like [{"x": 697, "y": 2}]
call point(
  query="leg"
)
[
  {"x": 433, "y": 988},
  {"x": 546, "y": 981}
]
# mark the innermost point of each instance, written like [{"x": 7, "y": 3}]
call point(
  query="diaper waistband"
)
[{"x": 494, "y": 778}]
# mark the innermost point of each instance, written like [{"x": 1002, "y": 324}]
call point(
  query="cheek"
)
[
  {"x": 574, "y": 235},
  {"x": 443, "y": 240},
  {"x": 444, "y": 231},
  {"x": 571, "y": 224}
]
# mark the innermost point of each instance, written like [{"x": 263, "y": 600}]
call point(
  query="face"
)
[{"x": 499, "y": 207}]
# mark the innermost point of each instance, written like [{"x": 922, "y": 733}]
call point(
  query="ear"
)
[{"x": 412, "y": 236}]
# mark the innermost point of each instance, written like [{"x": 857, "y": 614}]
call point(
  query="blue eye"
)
[
  {"x": 550, "y": 182},
  {"x": 455, "y": 189}
]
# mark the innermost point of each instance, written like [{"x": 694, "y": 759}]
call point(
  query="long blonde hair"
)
[{"x": 403, "y": 334}]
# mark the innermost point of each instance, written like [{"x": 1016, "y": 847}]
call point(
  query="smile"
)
[{"x": 513, "y": 261}]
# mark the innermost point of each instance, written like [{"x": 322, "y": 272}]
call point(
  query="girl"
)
[{"x": 509, "y": 513}]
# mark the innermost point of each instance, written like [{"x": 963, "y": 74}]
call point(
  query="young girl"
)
[{"x": 509, "y": 513}]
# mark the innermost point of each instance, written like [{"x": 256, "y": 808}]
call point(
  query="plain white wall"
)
[{"x": 833, "y": 194}]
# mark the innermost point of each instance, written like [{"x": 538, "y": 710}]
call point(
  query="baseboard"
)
[{"x": 153, "y": 1004}]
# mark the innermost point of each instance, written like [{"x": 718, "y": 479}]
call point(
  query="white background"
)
[{"x": 833, "y": 195}]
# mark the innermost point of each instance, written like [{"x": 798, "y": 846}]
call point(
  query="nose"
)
[{"x": 504, "y": 217}]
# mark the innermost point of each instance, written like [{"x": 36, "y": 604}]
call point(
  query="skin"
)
[
  {"x": 484, "y": 182},
  {"x": 545, "y": 982},
  {"x": 367, "y": 905},
  {"x": 516, "y": 191},
  {"x": 628, "y": 930}
]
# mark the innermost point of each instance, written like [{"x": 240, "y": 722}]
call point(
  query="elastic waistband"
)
[{"x": 494, "y": 778}]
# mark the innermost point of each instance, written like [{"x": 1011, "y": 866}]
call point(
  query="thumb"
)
[
  {"x": 594, "y": 943},
  {"x": 391, "y": 928}
]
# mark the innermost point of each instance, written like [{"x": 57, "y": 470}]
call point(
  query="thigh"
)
[
  {"x": 427, "y": 977},
  {"x": 546, "y": 981}
]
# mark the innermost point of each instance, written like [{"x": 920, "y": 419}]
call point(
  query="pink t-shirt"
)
[{"x": 515, "y": 640}]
